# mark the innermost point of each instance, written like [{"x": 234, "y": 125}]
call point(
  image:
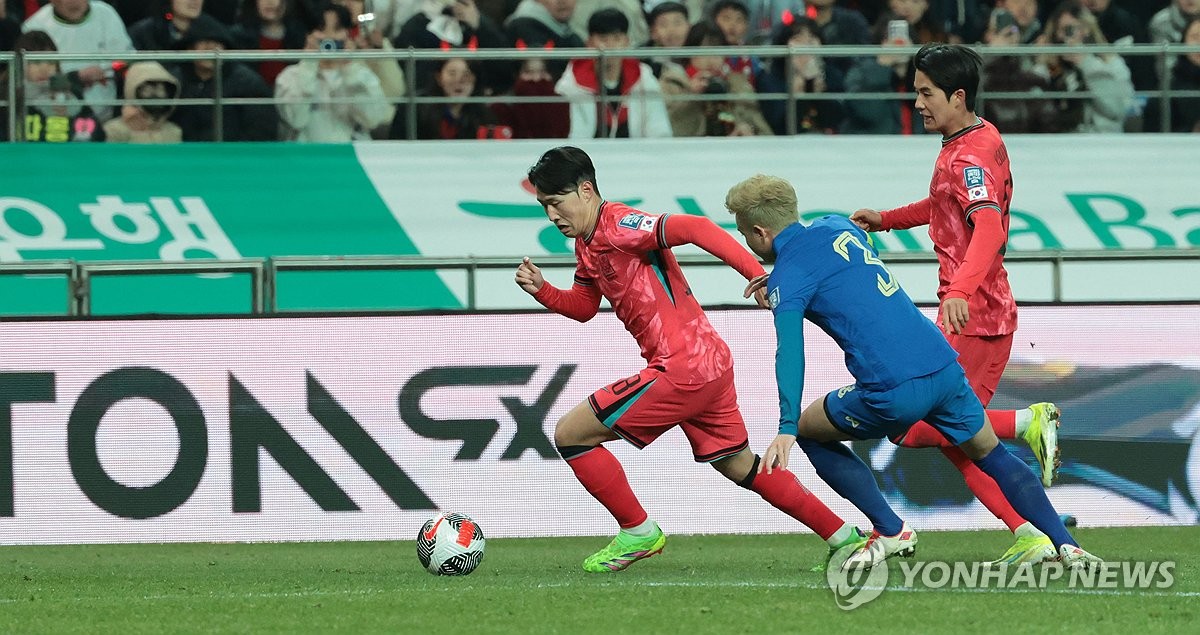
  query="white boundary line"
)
[{"x": 629, "y": 583}]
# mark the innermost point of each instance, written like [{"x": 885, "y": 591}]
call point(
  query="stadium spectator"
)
[
  {"x": 881, "y": 74},
  {"x": 1025, "y": 13},
  {"x": 809, "y": 76},
  {"x": 1167, "y": 25},
  {"x": 632, "y": 103},
  {"x": 668, "y": 22},
  {"x": 737, "y": 112},
  {"x": 1105, "y": 76},
  {"x": 732, "y": 19},
  {"x": 1185, "y": 111},
  {"x": 86, "y": 26},
  {"x": 269, "y": 25},
  {"x": 61, "y": 115},
  {"x": 544, "y": 24},
  {"x": 624, "y": 254},
  {"x": 840, "y": 25},
  {"x": 543, "y": 120},
  {"x": 10, "y": 28},
  {"x": 633, "y": 10},
  {"x": 387, "y": 16},
  {"x": 307, "y": 90},
  {"x": 367, "y": 36},
  {"x": 457, "y": 24},
  {"x": 923, "y": 27},
  {"x": 142, "y": 122},
  {"x": 1120, "y": 28},
  {"x": 455, "y": 78},
  {"x": 963, "y": 22},
  {"x": 1008, "y": 73},
  {"x": 134, "y": 11},
  {"x": 164, "y": 30},
  {"x": 19, "y": 10},
  {"x": 239, "y": 122},
  {"x": 765, "y": 17}
]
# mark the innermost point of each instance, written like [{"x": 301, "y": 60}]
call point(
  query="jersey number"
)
[{"x": 888, "y": 285}]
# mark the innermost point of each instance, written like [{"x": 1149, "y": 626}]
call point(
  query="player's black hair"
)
[
  {"x": 562, "y": 170},
  {"x": 951, "y": 67},
  {"x": 607, "y": 22}
]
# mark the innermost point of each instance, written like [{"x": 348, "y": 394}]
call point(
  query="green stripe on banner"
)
[{"x": 99, "y": 202}]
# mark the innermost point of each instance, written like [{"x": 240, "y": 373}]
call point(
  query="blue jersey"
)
[{"x": 830, "y": 273}]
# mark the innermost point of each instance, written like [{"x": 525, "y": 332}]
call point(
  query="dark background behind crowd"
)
[{"x": 336, "y": 100}]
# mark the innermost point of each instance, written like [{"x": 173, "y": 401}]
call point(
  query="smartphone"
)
[
  {"x": 897, "y": 32},
  {"x": 1003, "y": 20}
]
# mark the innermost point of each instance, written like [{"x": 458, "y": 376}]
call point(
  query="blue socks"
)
[
  {"x": 841, "y": 468},
  {"x": 1024, "y": 492}
]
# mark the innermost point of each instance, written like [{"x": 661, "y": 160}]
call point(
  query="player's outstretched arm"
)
[
  {"x": 580, "y": 302},
  {"x": 906, "y": 216},
  {"x": 682, "y": 229},
  {"x": 868, "y": 219}
]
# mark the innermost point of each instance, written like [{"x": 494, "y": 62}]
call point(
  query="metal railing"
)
[
  {"x": 409, "y": 58},
  {"x": 264, "y": 272}
]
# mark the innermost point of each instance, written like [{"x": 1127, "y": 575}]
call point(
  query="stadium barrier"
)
[
  {"x": 1084, "y": 225},
  {"x": 409, "y": 58},
  {"x": 359, "y": 427}
]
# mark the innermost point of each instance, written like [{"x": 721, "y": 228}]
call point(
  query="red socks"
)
[
  {"x": 923, "y": 435},
  {"x": 985, "y": 488},
  {"x": 602, "y": 476},
  {"x": 781, "y": 489}
]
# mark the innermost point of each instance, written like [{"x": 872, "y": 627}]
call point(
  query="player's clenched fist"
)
[
  {"x": 529, "y": 277},
  {"x": 868, "y": 219}
]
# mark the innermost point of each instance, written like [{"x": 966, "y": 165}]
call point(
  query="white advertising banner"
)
[
  {"x": 359, "y": 428},
  {"x": 1116, "y": 192}
]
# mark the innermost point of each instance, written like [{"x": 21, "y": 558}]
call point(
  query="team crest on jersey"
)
[
  {"x": 632, "y": 221},
  {"x": 973, "y": 178},
  {"x": 773, "y": 298}
]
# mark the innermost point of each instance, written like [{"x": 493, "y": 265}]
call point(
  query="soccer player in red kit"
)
[
  {"x": 624, "y": 254},
  {"x": 967, "y": 214}
]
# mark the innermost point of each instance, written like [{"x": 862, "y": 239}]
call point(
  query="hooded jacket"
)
[
  {"x": 136, "y": 124},
  {"x": 532, "y": 26}
]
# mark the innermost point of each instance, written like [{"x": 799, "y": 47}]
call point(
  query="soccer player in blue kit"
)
[{"x": 904, "y": 370}]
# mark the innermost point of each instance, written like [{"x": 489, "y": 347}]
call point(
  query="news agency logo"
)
[{"x": 855, "y": 586}]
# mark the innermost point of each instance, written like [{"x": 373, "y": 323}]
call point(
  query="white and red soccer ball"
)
[{"x": 450, "y": 544}]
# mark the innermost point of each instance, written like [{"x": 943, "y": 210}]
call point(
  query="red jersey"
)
[
  {"x": 627, "y": 258},
  {"x": 972, "y": 174}
]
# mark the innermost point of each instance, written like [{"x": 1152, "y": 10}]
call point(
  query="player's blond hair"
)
[{"x": 766, "y": 201}]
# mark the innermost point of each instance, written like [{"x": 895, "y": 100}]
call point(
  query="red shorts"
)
[
  {"x": 983, "y": 358},
  {"x": 641, "y": 408}
]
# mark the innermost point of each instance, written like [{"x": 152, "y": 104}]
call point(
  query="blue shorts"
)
[{"x": 942, "y": 399}]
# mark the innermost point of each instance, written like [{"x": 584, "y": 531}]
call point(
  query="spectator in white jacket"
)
[
  {"x": 331, "y": 101},
  {"x": 633, "y": 104},
  {"x": 83, "y": 26},
  {"x": 1105, "y": 76}
]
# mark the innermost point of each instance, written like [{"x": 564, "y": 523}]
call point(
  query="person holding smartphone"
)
[{"x": 1105, "y": 77}]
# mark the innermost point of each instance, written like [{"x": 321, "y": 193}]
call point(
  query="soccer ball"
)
[{"x": 450, "y": 544}]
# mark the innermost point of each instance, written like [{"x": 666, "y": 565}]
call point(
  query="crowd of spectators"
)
[{"x": 653, "y": 95}]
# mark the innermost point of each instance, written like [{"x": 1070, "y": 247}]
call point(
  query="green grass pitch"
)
[{"x": 700, "y": 584}]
